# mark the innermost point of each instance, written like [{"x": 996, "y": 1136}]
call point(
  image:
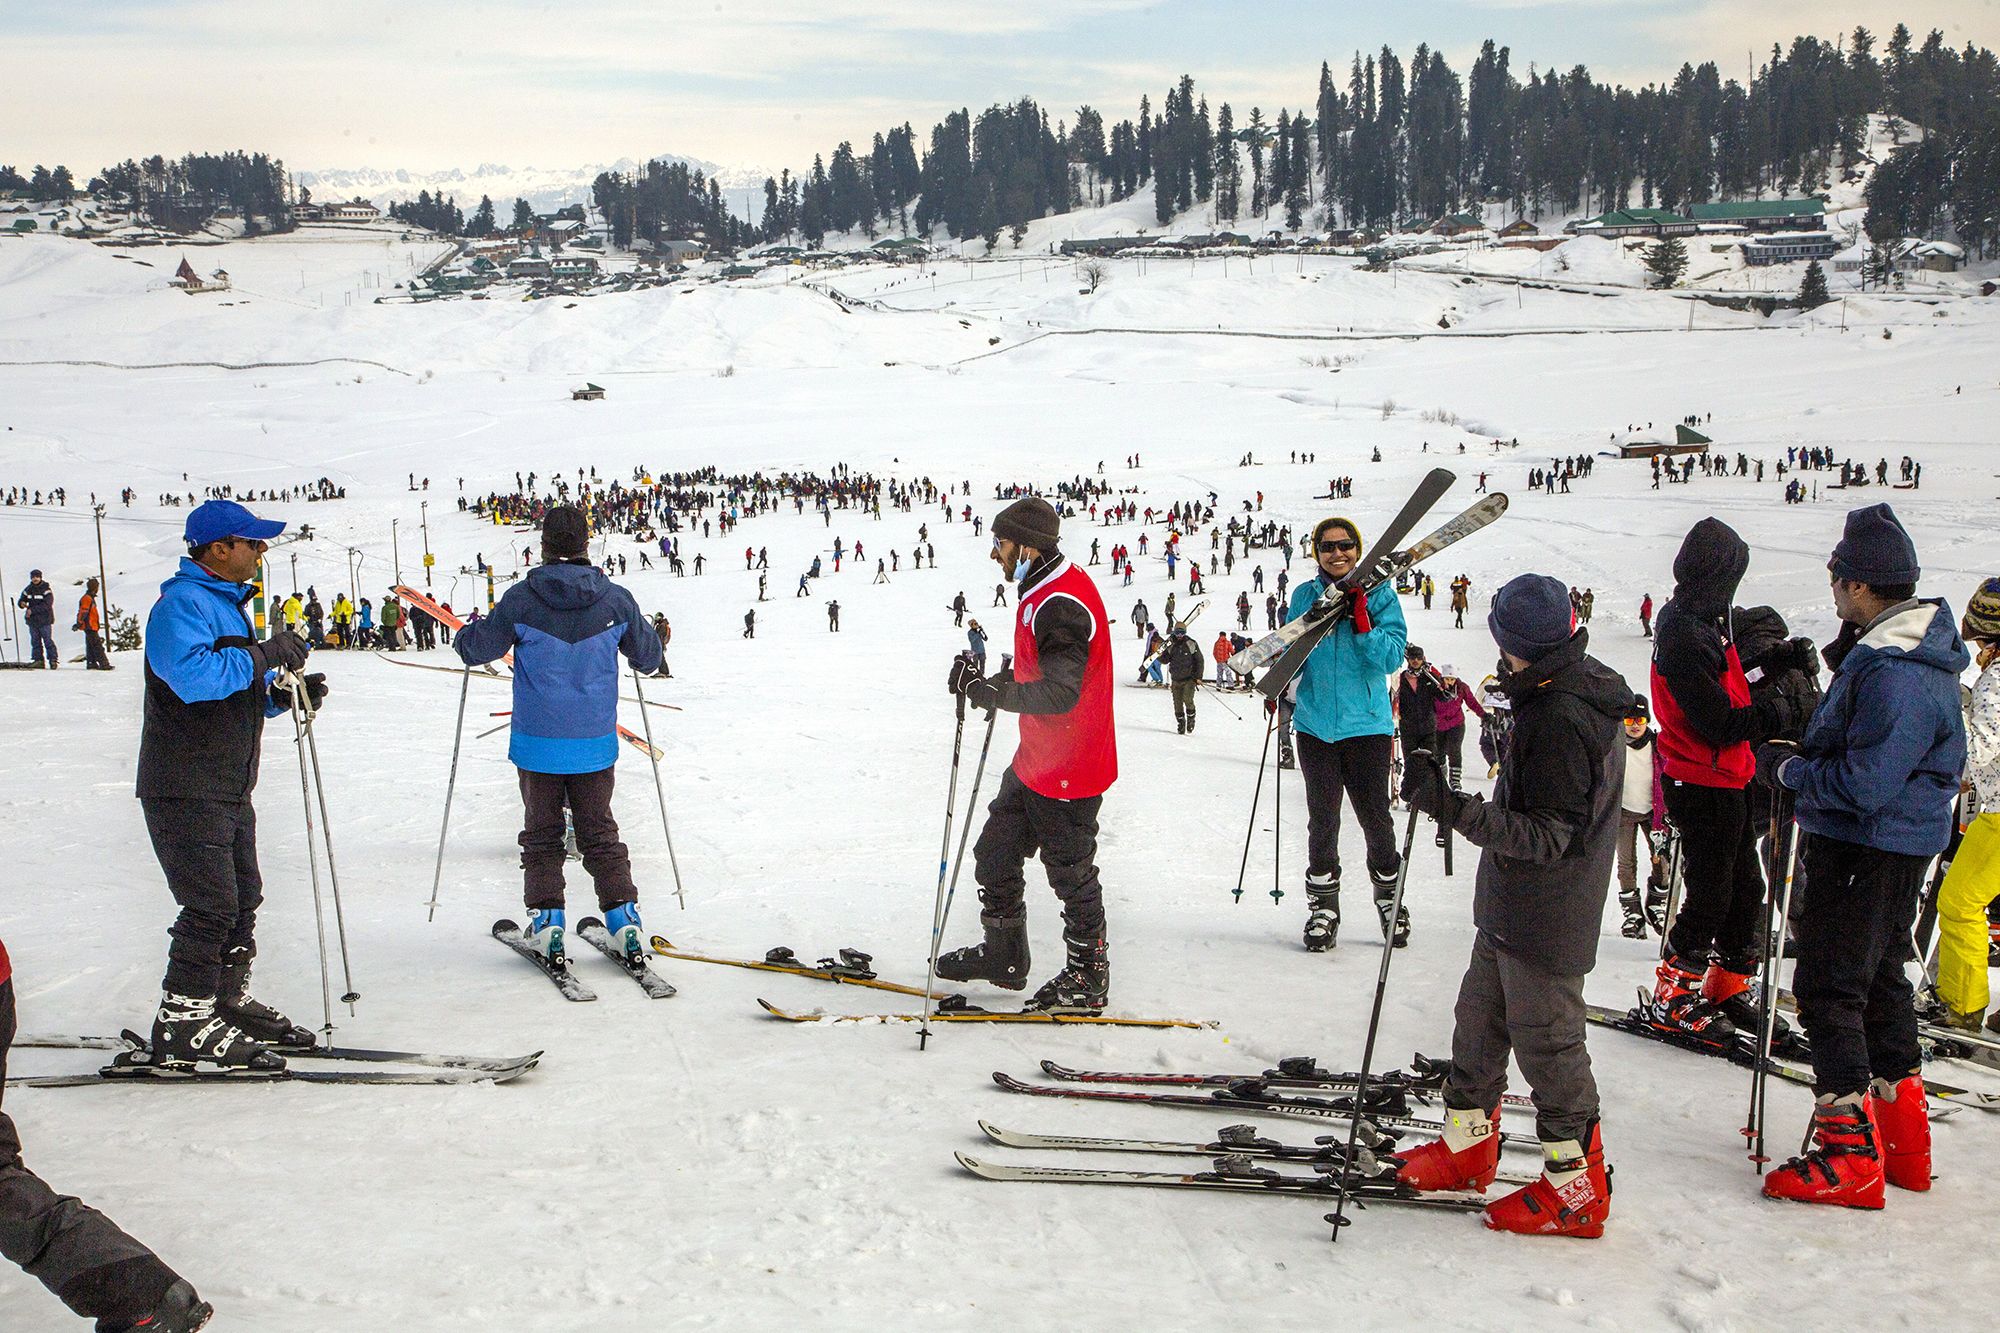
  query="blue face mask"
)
[{"x": 1020, "y": 568}]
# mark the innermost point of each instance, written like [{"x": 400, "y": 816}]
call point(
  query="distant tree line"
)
[
  {"x": 666, "y": 201},
  {"x": 439, "y": 213},
  {"x": 184, "y": 193},
  {"x": 1396, "y": 143}
]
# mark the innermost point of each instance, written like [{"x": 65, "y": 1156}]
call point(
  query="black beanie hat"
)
[
  {"x": 1531, "y": 615},
  {"x": 1030, "y": 521},
  {"x": 1875, "y": 549},
  {"x": 565, "y": 533}
]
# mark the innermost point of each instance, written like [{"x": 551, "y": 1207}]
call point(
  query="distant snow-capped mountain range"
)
[{"x": 545, "y": 189}]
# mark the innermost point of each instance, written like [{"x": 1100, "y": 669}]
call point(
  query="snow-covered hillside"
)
[{"x": 693, "y": 1163}]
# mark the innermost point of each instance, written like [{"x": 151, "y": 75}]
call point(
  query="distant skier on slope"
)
[
  {"x": 1061, "y": 685},
  {"x": 566, "y": 623}
]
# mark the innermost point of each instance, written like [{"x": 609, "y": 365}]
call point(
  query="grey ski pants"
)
[{"x": 1508, "y": 1004}]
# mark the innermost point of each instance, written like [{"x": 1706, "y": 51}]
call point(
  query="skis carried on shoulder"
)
[
  {"x": 962, "y": 1012},
  {"x": 594, "y": 933},
  {"x": 509, "y": 933},
  {"x": 850, "y": 967},
  {"x": 1267, "y": 649},
  {"x": 132, "y": 1041}
]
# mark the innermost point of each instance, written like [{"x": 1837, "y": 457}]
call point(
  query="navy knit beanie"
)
[
  {"x": 1875, "y": 549},
  {"x": 1531, "y": 616}
]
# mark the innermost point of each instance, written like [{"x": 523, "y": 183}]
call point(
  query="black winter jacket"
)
[
  {"x": 1551, "y": 830},
  {"x": 1183, "y": 659}
]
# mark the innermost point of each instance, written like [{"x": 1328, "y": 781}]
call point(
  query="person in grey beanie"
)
[{"x": 1548, "y": 837}]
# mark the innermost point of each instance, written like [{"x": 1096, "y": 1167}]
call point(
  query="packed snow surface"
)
[{"x": 692, "y": 1163}]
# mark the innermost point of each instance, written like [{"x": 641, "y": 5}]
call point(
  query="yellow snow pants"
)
[{"x": 1972, "y": 882}]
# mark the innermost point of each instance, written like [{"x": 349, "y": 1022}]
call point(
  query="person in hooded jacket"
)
[
  {"x": 1183, "y": 662},
  {"x": 566, "y": 624},
  {"x": 1548, "y": 838},
  {"x": 1973, "y": 882},
  {"x": 1873, "y": 782},
  {"x": 1708, "y": 724}
]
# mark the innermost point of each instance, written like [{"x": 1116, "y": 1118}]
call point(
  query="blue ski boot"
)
[
  {"x": 544, "y": 933},
  {"x": 622, "y": 924}
]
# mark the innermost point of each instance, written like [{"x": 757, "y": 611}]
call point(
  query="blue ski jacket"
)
[
  {"x": 1880, "y": 761},
  {"x": 1343, "y": 689},
  {"x": 205, "y": 699},
  {"x": 565, "y": 625}
]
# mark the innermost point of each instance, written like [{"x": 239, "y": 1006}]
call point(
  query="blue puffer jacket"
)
[
  {"x": 1880, "y": 760},
  {"x": 565, "y": 625},
  {"x": 1344, "y": 686}
]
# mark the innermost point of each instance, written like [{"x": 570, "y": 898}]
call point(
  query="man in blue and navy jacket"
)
[
  {"x": 209, "y": 686},
  {"x": 566, "y": 623}
]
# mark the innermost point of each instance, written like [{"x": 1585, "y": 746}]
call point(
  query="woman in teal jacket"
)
[{"x": 1345, "y": 730}]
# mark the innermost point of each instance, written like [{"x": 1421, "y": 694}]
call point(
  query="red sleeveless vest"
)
[
  {"x": 1073, "y": 755},
  {"x": 1687, "y": 756}
]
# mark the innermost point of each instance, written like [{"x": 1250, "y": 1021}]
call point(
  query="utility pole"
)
[
  {"x": 103, "y": 583},
  {"x": 424, "y": 510},
  {"x": 395, "y": 549}
]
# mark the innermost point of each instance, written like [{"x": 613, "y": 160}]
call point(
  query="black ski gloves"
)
[
  {"x": 984, "y": 691},
  {"x": 1429, "y": 790},
  {"x": 964, "y": 670},
  {"x": 315, "y": 693},
  {"x": 283, "y": 651}
]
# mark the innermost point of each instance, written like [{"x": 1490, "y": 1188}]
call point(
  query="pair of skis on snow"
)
[
  {"x": 133, "y": 1064},
  {"x": 592, "y": 932}
]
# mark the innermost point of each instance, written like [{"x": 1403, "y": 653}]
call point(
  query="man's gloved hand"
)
[
  {"x": 283, "y": 651},
  {"x": 963, "y": 672},
  {"x": 316, "y": 690},
  {"x": 1801, "y": 653},
  {"x": 984, "y": 691},
  {"x": 1772, "y": 757},
  {"x": 1429, "y": 790}
]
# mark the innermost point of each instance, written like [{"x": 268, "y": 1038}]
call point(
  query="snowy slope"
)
[{"x": 691, "y": 1163}]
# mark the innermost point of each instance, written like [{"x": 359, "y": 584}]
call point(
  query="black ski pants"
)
[
  {"x": 588, "y": 796},
  {"x": 208, "y": 850},
  {"x": 1449, "y": 745},
  {"x": 1855, "y": 1003},
  {"x": 75, "y": 1251},
  {"x": 1021, "y": 822},
  {"x": 1357, "y": 768},
  {"x": 1722, "y": 903}
]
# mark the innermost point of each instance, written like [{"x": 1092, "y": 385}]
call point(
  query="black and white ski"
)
[
  {"x": 1423, "y": 1079},
  {"x": 1246, "y": 1102},
  {"x": 1230, "y": 1141},
  {"x": 1380, "y": 566},
  {"x": 957, "y": 1010},
  {"x": 132, "y": 1041},
  {"x": 1237, "y": 1174},
  {"x": 138, "y": 1067},
  {"x": 594, "y": 933},
  {"x": 509, "y": 933},
  {"x": 1287, "y": 664}
]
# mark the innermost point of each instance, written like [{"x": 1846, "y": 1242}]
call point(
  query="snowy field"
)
[{"x": 691, "y": 1163}]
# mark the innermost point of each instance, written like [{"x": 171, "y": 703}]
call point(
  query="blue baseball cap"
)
[{"x": 212, "y": 520}]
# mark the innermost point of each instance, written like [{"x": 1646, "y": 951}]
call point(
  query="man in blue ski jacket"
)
[
  {"x": 209, "y": 686},
  {"x": 1345, "y": 728},
  {"x": 566, "y": 623}
]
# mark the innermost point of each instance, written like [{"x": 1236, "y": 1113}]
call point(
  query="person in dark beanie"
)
[
  {"x": 1345, "y": 724},
  {"x": 75, "y": 1251},
  {"x": 1873, "y": 781},
  {"x": 209, "y": 686},
  {"x": 566, "y": 624},
  {"x": 1060, "y": 683},
  {"x": 1548, "y": 838},
  {"x": 1183, "y": 662},
  {"x": 38, "y": 602},
  {"x": 1973, "y": 882},
  {"x": 1709, "y": 720}
]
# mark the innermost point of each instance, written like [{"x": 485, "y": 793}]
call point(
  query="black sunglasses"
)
[{"x": 1328, "y": 548}]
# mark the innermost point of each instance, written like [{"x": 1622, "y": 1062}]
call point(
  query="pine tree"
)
[
  {"x": 1228, "y": 169},
  {"x": 1812, "y": 290},
  {"x": 524, "y": 217},
  {"x": 482, "y": 218},
  {"x": 1667, "y": 260}
]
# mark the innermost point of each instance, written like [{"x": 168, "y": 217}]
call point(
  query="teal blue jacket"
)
[{"x": 1343, "y": 689}]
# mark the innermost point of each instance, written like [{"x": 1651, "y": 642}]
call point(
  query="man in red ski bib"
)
[{"x": 1060, "y": 684}]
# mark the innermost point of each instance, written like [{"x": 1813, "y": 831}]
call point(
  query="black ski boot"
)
[
  {"x": 180, "y": 1310},
  {"x": 1635, "y": 917},
  {"x": 1002, "y": 958},
  {"x": 1395, "y": 930},
  {"x": 187, "y": 1031},
  {"x": 1190, "y": 721},
  {"x": 1082, "y": 986},
  {"x": 1287, "y": 760},
  {"x": 258, "y": 1021},
  {"x": 1323, "y": 916}
]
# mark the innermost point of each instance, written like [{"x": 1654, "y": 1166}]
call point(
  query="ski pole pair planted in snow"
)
[
  {"x": 941, "y": 909},
  {"x": 312, "y": 790},
  {"x": 451, "y": 785}
]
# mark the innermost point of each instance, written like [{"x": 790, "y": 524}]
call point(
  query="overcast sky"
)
[{"x": 388, "y": 83}]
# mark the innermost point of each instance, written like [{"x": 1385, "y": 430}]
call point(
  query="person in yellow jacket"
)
[
  {"x": 293, "y": 610},
  {"x": 1974, "y": 878},
  {"x": 343, "y": 620}
]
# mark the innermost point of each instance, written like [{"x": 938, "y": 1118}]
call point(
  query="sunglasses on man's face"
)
[{"x": 1330, "y": 548}]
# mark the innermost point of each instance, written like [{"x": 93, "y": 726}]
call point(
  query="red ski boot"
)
[
  {"x": 1903, "y": 1120},
  {"x": 1677, "y": 1005},
  {"x": 1728, "y": 991},
  {"x": 1573, "y": 1197},
  {"x": 1464, "y": 1159},
  {"x": 1843, "y": 1168}
]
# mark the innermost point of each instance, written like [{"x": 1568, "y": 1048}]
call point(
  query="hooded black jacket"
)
[
  {"x": 1692, "y": 636},
  {"x": 1551, "y": 830}
]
